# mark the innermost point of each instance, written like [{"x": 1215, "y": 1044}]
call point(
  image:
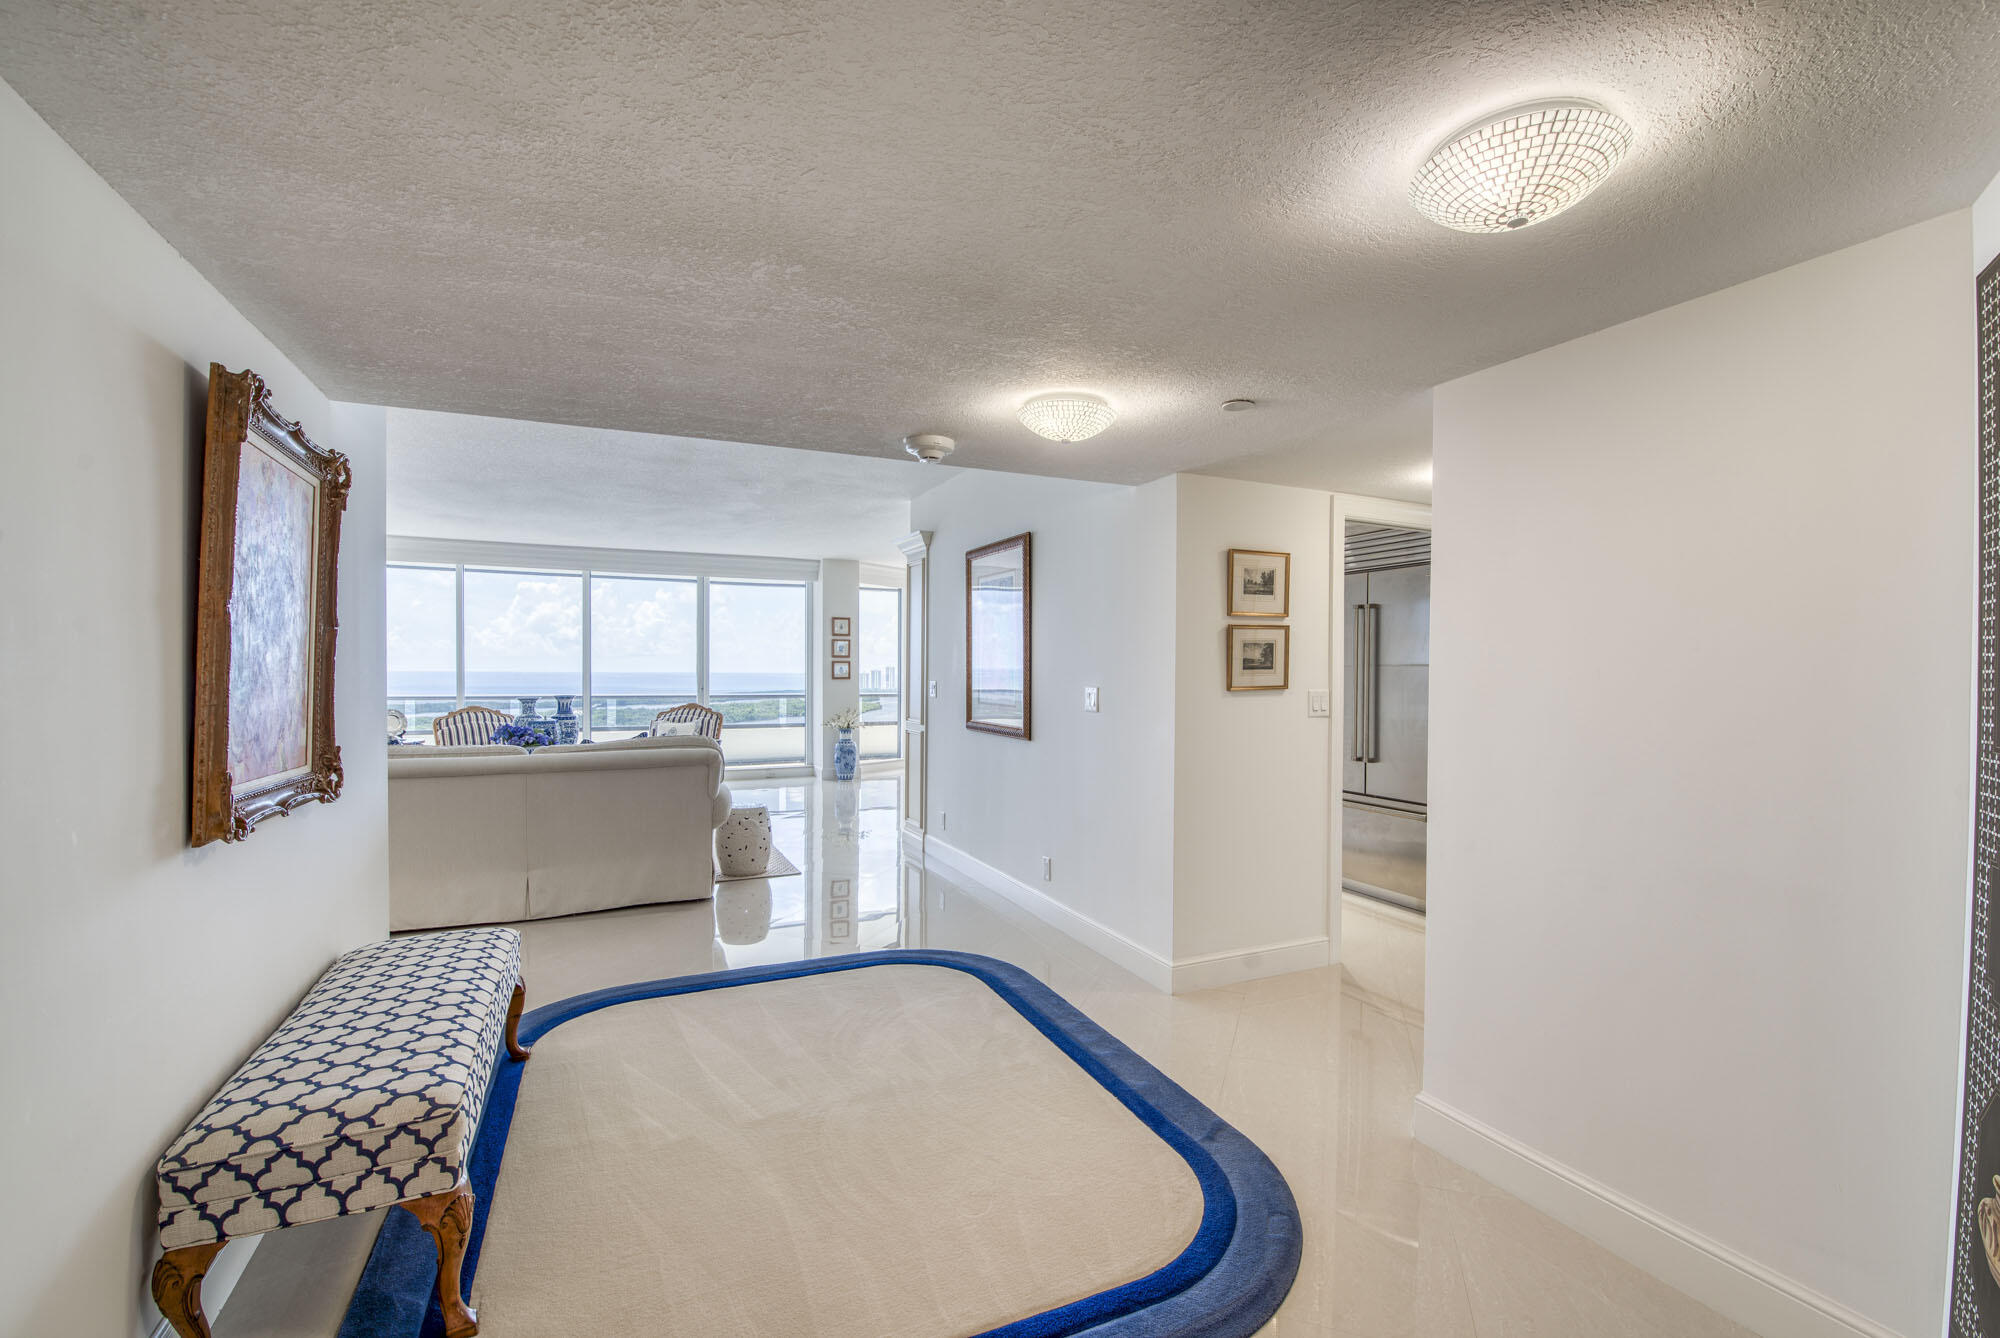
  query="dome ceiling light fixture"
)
[
  {"x": 1066, "y": 415},
  {"x": 1520, "y": 167}
]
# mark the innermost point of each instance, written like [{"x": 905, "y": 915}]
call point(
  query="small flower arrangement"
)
[
  {"x": 848, "y": 718},
  {"x": 520, "y": 735}
]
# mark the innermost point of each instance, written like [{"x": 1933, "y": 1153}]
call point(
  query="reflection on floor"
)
[{"x": 1319, "y": 1067}]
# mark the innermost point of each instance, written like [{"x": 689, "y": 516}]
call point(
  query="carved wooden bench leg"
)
[
  {"x": 448, "y": 1218},
  {"x": 514, "y": 1046},
  {"x": 177, "y": 1287}
]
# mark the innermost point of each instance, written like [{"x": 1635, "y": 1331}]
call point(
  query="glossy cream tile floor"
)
[{"x": 1320, "y": 1068}]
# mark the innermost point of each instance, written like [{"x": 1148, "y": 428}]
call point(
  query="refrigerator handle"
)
[
  {"x": 1360, "y": 674},
  {"x": 1374, "y": 672}
]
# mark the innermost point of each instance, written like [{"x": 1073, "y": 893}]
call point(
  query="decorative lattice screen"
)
[{"x": 1975, "y": 1294}]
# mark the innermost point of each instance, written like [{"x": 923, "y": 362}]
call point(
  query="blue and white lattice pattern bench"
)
[{"x": 368, "y": 1095}]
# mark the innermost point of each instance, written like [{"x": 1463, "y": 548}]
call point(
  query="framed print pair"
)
[{"x": 1258, "y": 657}]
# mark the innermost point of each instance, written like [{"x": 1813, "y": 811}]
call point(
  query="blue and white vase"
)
[
  {"x": 565, "y": 718},
  {"x": 845, "y": 755},
  {"x": 529, "y": 715}
]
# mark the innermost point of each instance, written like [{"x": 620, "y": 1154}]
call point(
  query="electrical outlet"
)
[
  {"x": 1048, "y": 869},
  {"x": 1090, "y": 699},
  {"x": 1319, "y": 701}
]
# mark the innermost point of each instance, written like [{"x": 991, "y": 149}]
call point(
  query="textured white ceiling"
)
[
  {"x": 458, "y": 476},
  {"x": 828, "y": 225}
]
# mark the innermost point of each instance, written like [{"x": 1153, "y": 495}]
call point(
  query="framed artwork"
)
[
  {"x": 841, "y": 647},
  {"x": 840, "y": 887},
  {"x": 264, "y": 620},
  {"x": 1260, "y": 584},
  {"x": 843, "y": 627},
  {"x": 843, "y": 668},
  {"x": 1258, "y": 658},
  {"x": 999, "y": 640}
]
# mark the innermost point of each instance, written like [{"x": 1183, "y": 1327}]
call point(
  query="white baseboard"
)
[
  {"x": 1732, "y": 1284},
  {"x": 1149, "y": 966},
  {"x": 1233, "y": 968},
  {"x": 1180, "y": 976}
]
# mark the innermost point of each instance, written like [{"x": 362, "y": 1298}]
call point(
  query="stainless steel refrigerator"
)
[{"x": 1386, "y": 710}]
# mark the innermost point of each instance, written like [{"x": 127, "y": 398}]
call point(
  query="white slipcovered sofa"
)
[{"x": 487, "y": 835}]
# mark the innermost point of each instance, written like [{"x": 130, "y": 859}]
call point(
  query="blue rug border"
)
[{"x": 1227, "y": 1283}]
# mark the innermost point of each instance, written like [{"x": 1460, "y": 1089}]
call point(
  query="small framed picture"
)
[
  {"x": 840, "y": 887},
  {"x": 1260, "y": 584},
  {"x": 843, "y": 627},
  {"x": 843, "y": 668},
  {"x": 840, "y": 910},
  {"x": 842, "y": 647},
  {"x": 840, "y": 929},
  {"x": 1258, "y": 659}
]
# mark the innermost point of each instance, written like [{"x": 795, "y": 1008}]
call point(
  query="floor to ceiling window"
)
[
  {"x": 878, "y": 648},
  {"x": 645, "y": 649},
  {"x": 523, "y": 638},
  {"x": 757, "y": 656},
  {"x": 423, "y": 643},
  {"x": 627, "y": 644}
]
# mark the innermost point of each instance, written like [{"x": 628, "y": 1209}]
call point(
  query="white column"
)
[{"x": 839, "y": 597}]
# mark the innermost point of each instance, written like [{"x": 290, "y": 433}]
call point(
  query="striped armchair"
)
[
  {"x": 707, "y": 717},
  {"x": 468, "y": 725}
]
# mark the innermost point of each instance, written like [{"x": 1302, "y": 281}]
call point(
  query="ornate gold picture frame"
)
[{"x": 265, "y": 614}]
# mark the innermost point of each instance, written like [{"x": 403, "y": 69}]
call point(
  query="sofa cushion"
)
[
  {"x": 367, "y": 1095},
  {"x": 406, "y": 753}
]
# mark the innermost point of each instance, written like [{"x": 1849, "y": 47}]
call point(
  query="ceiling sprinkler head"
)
[
  {"x": 1238, "y": 406},
  {"x": 929, "y": 447}
]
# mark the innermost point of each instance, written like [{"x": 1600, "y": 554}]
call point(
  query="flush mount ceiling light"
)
[
  {"x": 1525, "y": 165},
  {"x": 1068, "y": 415}
]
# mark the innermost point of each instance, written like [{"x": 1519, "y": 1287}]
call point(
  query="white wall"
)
[
  {"x": 1986, "y": 227},
  {"x": 839, "y": 597},
  {"x": 1251, "y": 769},
  {"x": 1092, "y": 791},
  {"x": 1703, "y": 639},
  {"x": 135, "y": 973}
]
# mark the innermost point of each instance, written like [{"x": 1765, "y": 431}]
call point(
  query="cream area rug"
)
[
  {"x": 892, "y": 1152},
  {"x": 779, "y": 867}
]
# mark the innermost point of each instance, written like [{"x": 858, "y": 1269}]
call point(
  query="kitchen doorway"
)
[{"x": 1383, "y": 555}]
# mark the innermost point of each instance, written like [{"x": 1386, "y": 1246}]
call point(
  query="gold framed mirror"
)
[{"x": 999, "y": 638}]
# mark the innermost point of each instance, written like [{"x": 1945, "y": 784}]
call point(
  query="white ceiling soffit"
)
[
  {"x": 827, "y": 226},
  {"x": 457, "y": 476}
]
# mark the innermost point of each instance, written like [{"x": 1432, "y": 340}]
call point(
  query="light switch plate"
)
[
  {"x": 933, "y": 687},
  {"x": 1090, "y": 699},
  {"x": 1319, "y": 701}
]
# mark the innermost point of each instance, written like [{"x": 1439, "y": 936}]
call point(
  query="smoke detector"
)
[{"x": 929, "y": 447}]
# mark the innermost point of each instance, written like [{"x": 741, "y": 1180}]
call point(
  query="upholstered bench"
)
[{"x": 368, "y": 1095}]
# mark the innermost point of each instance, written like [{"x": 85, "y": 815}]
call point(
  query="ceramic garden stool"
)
[
  {"x": 368, "y": 1095},
  {"x": 743, "y": 842}
]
